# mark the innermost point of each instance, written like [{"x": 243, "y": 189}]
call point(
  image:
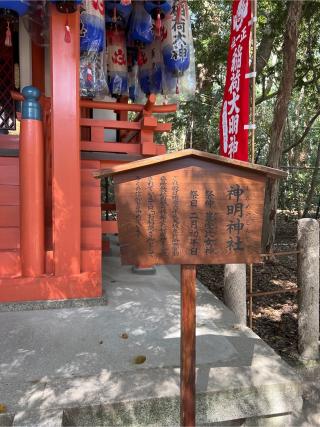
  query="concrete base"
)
[
  {"x": 77, "y": 366},
  {"x": 55, "y": 304},
  {"x": 147, "y": 271}
]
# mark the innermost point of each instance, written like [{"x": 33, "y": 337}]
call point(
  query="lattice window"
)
[{"x": 7, "y": 106}]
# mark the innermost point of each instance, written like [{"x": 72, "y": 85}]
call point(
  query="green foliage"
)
[{"x": 197, "y": 121}]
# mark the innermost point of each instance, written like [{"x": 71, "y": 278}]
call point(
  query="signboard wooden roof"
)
[
  {"x": 270, "y": 172},
  {"x": 190, "y": 208}
]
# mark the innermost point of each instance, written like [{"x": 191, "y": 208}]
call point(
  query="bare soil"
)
[{"x": 274, "y": 317}]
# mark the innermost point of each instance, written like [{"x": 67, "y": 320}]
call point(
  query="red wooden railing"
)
[{"x": 137, "y": 136}]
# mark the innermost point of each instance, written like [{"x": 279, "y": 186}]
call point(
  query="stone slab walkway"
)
[{"x": 76, "y": 366}]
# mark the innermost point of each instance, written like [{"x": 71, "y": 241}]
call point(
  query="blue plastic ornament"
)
[
  {"x": 140, "y": 26},
  {"x": 92, "y": 26},
  {"x": 117, "y": 13},
  {"x": 176, "y": 40},
  {"x": 66, "y": 6},
  {"x": 158, "y": 7},
  {"x": 19, "y": 6}
]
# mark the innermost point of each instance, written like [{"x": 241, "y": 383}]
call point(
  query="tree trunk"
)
[
  {"x": 264, "y": 50},
  {"x": 312, "y": 185},
  {"x": 279, "y": 118}
]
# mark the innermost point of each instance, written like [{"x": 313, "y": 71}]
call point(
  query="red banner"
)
[{"x": 234, "y": 116}]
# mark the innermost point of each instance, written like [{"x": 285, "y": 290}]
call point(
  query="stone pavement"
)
[
  {"x": 76, "y": 366},
  {"x": 309, "y": 416}
]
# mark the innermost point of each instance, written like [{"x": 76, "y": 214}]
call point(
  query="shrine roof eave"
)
[{"x": 238, "y": 164}]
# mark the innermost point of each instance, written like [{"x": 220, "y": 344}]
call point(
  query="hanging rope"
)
[
  {"x": 158, "y": 25},
  {"x": 8, "y": 39},
  {"x": 67, "y": 33}
]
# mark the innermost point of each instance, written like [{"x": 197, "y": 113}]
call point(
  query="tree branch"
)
[
  {"x": 266, "y": 97},
  {"x": 265, "y": 49},
  {"x": 305, "y": 133}
]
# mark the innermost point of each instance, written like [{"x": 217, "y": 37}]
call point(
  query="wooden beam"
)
[
  {"x": 65, "y": 135},
  {"x": 110, "y": 227},
  {"x": 117, "y": 106},
  {"x": 263, "y": 170},
  {"x": 120, "y": 124},
  {"x": 110, "y": 124},
  {"x": 9, "y": 142},
  {"x": 122, "y": 116},
  {"x": 111, "y": 147}
]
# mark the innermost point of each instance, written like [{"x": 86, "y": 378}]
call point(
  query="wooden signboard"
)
[
  {"x": 198, "y": 213},
  {"x": 189, "y": 208}
]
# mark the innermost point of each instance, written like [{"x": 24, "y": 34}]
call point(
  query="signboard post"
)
[
  {"x": 189, "y": 208},
  {"x": 188, "y": 346}
]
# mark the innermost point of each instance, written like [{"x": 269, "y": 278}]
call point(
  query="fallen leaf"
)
[{"x": 138, "y": 360}]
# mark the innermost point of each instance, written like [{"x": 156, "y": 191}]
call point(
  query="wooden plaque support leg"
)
[{"x": 188, "y": 345}]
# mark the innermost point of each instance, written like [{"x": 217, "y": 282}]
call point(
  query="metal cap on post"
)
[
  {"x": 30, "y": 106},
  {"x": 32, "y": 226}
]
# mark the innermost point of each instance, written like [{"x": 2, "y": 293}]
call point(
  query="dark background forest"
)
[{"x": 287, "y": 100}]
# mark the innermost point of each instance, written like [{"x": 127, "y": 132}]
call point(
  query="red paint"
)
[
  {"x": 110, "y": 227},
  {"x": 235, "y": 107},
  {"x": 114, "y": 106},
  {"x": 106, "y": 247},
  {"x": 85, "y": 285},
  {"x": 70, "y": 265},
  {"x": 9, "y": 238},
  {"x": 65, "y": 137},
  {"x": 9, "y": 216},
  {"x": 38, "y": 67},
  {"x": 111, "y": 147},
  {"x": 32, "y": 227},
  {"x": 8, "y": 142},
  {"x": 10, "y": 265}
]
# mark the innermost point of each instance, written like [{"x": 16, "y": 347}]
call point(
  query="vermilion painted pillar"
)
[
  {"x": 32, "y": 249},
  {"x": 38, "y": 69},
  {"x": 65, "y": 135}
]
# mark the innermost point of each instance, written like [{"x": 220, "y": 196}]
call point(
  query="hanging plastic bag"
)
[
  {"x": 155, "y": 8},
  {"x": 179, "y": 78},
  {"x": 117, "y": 62},
  {"x": 186, "y": 85},
  {"x": 19, "y": 6},
  {"x": 140, "y": 27},
  {"x": 117, "y": 14},
  {"x": 37, "y": 23},
  {"x": 93, "y": 82},
  {"x": 92, "y": 47},
  {"x": 169, "y": 83},
  {"x": 180, "y": 88},
  {"x": 158, "y": 10},
  {"x": 133, "y": 69},
  {"x": 177, "y": 39},
  {"x": 150, "y": 68},
  {"x": 92, "y": 26}
]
